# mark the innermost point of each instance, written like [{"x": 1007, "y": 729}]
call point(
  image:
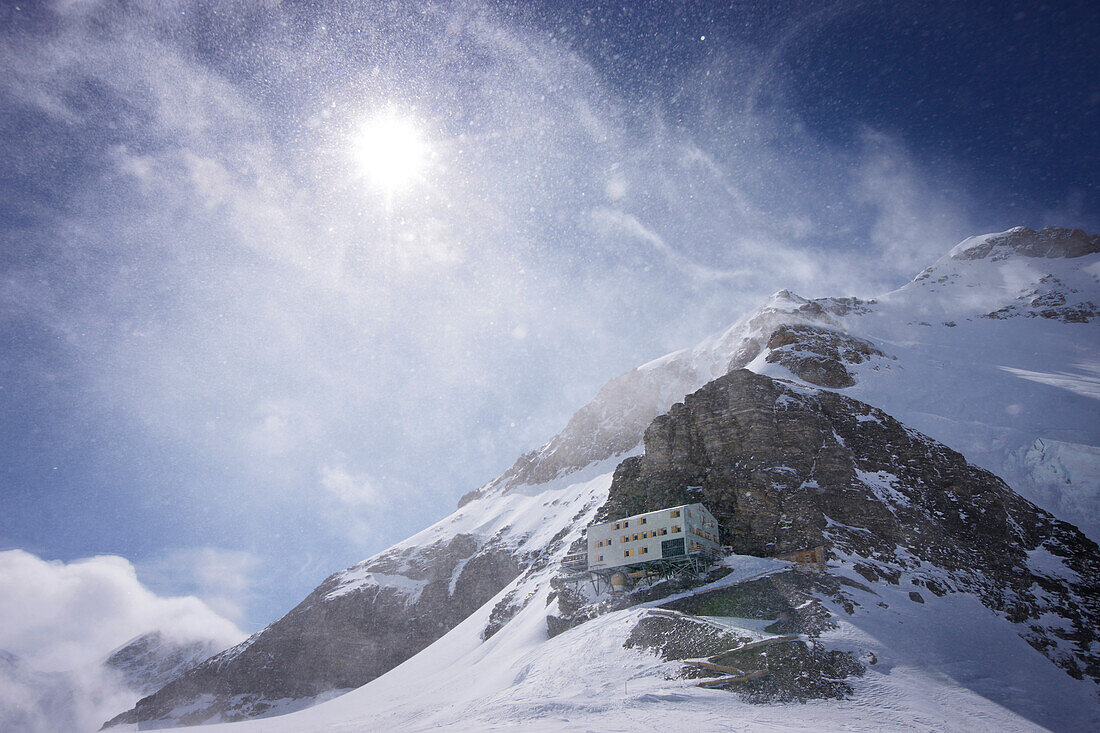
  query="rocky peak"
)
[
  {"x": 151, "y": 660},
  {"x": 1049, "y": 242}
]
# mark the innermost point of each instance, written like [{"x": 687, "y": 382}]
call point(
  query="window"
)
[
  {"x": 626, "y": 524},
  {"x": 599, "y": 558},
  {"x": 643, "y": 551},
  {"x": 617, "y": 525},
  {"x": 635, "y": 536},
  {"x": 628, "y": 553},
  {"x": 641, "y": 521},
  {"x": 675, "y": 528},
  {"x": 664, "y": 530},
  {"x": 675, "y": 513},
  {"x": 624, "y": 538},
  {"x": 672, "y": 548}
]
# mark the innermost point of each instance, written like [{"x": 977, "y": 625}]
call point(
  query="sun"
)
[{"x": 390, "y": 151}]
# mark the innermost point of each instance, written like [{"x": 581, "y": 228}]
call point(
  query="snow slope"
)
[{"x": 947, "y": 667}]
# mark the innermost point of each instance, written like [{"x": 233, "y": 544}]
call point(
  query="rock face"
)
[
  {"x": 819, "y": 355},
  {"x": 785, "y": 468},
  {"x": 150, "y": 661},
  {"x": 355, "y": 626},
  {"x": 1049, "y": 298},
  {"x": 1048, "y": 242}
]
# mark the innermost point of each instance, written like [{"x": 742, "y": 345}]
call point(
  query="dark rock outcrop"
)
[
  {"x": 1048, "y": 242},
  {"x": 1052, "y": 299},
  {"x": 819, "y": 355},
  {"x": 785, "y": 468}
]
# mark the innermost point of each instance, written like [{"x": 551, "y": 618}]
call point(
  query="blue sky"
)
[{"x": 232, "y": 360}]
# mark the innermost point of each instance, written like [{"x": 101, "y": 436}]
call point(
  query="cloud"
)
[
  {"x": 910, "y": 220},
  {"x": 633, "y": 228},
  {"x": 222, "y": 579},
  {"x": 348, "y": 488},
  {"x": 59, "y": 621},
  {"x": 77, "y": 700},
  {"x": 59, "y": 616}
]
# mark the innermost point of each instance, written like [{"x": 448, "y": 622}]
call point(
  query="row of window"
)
[
  {"x": 641, "y": 535},
  {"x": 645, "y": 535},
  {"x": 703, "y": 533},
  {"x": 625, "y": 523},
  {"x": 630, "y": 553}
]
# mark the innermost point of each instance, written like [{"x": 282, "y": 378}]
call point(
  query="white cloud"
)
[
  {"x": 222, "y": 579},
  {"x": 79, "y": 700},
  {"x": 349, "y": 488},
  {"x": 913, "y": 224},
  {"x": 631, "y": 226},
  {"x": 61, "y": 616},
  {"x": 59, "y": 621}
]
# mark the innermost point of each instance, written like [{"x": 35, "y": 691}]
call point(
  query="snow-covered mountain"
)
[
  {"x": 148, "y": 662},
  {"x": 948, "y": 603},
  {"x": 991, "y": 351}
]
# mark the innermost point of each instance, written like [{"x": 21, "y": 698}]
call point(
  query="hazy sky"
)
[{"x": 237, "y": 356}]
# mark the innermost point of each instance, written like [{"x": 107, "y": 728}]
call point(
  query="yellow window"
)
[
  {"x": 643, "y": 551},
  {"x": 675, "y": 513},
  {"x": 626, "y": 524},
  {"x": 627, "y": 553},
  {"x": 641, "y": 521},
  {"x": 675, "y": 528}
]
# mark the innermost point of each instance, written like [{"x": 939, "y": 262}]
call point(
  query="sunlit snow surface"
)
[{"x": 947, "y": 664}]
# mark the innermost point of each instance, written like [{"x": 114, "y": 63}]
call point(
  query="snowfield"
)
[
  {"x": 946, "y": 664},
  {"x": 955, "y": 668}
]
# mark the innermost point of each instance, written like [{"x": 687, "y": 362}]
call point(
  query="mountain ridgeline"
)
[{"x": 880, "y": 429}]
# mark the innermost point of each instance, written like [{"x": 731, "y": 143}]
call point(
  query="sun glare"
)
[{"x": 390, "y": 151}]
